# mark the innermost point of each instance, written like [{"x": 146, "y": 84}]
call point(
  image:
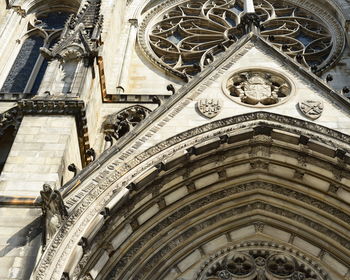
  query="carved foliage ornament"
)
[
  {"x": 119, "y": 124},
  {"x": 259, "y": 263},
  {"x": 184, "y": 38},
  {"x": 257, "y": 87}
]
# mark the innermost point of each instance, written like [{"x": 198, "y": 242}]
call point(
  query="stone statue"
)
[{"x": 54, "y": 212}]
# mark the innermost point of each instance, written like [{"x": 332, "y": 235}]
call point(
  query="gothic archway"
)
[{"x": 258, "y": 181}]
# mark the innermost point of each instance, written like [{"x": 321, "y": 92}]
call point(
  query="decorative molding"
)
[
  {"x": 53, "y": 106},
  {"x": 260, "y": 258},
  {"x": 163, "y": 46},
  {"x": 197, "y": 229},
  {"x": 91, "y": 191}
]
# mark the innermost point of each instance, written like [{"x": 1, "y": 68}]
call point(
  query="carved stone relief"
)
[
  {"x": 118, "y": 124},
  {"x": 311, "y": 108},
  {"x": 257, "y": 87},
  {"x": 80, "y": 36},
  {"x": 54, "y": 212},
  {"x": 209, "y": 108}
]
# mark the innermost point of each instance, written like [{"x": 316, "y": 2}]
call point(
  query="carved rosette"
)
[
  {"x": 257, "y": 87},
  {"x": 260, "y": 260}
]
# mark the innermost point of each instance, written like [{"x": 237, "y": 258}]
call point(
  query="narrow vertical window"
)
[
  {"x": 69, "y": 69},
  {"x": 22, "y": 68},
  {"x": 29, "y": 66}
]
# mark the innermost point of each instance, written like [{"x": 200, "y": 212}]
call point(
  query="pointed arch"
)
[
  {"x": 154, "y": 216},
  {"x": 43, "y": 25}
]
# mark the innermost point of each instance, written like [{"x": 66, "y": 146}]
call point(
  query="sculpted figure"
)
[{"x": 54, "y": 212}]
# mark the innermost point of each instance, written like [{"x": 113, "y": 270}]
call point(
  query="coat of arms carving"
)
[
  {"x": 311, "y": 108},
  {"x": 256, "y": 87},
  {"x": 209, "y": 107}
]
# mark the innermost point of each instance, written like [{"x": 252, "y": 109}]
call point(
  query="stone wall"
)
[
  {"x": 43, "y": 147},
  {"x": 20, "y": 241}
]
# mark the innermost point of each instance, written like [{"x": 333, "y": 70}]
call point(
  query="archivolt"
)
[
  {"x": 264, "y": 181},
  {"x": 218, "y": 194}
]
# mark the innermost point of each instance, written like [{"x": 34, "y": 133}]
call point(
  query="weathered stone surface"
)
[{"x": 173, "y": 185}]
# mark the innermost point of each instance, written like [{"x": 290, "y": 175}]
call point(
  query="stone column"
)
[
  {"x": 48, "y": 82},
  {"x": 123, "y": 75}
]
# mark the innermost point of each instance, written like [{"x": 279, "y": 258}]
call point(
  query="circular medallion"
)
[{"x": 257, "y": 87}]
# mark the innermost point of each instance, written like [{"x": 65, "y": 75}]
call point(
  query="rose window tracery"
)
[
  {"x": 258, "y": 260},
  {"x": 186, "y": 37}
]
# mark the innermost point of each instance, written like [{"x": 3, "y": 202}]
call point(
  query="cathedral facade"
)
[{"x": 175, "y": 139}]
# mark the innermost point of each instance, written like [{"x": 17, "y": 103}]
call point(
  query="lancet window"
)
[{"x": 29, "y": 66}]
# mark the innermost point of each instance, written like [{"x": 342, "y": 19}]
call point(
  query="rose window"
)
[{"x": 185, "y": 38}]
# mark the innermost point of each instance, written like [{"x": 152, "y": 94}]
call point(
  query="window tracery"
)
[
  {"x": 185, "y": 37},
  {"x": 29, "y": 66},
  {"x": 119, "y": 124},
  {"x": 258, "y": 260}
]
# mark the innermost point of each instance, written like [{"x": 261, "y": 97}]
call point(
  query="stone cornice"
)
[{"x": 53, "y": 106}]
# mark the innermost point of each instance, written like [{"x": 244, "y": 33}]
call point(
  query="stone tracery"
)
[
  {"x": 185, "y": 38},
  {"x": 259, "y": 260},
  {"x": 117, "y": 125},
  {"x": 43, "y": 31}
]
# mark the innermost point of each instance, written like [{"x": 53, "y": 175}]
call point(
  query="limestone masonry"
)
[{"x": 175, "y": 139}]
